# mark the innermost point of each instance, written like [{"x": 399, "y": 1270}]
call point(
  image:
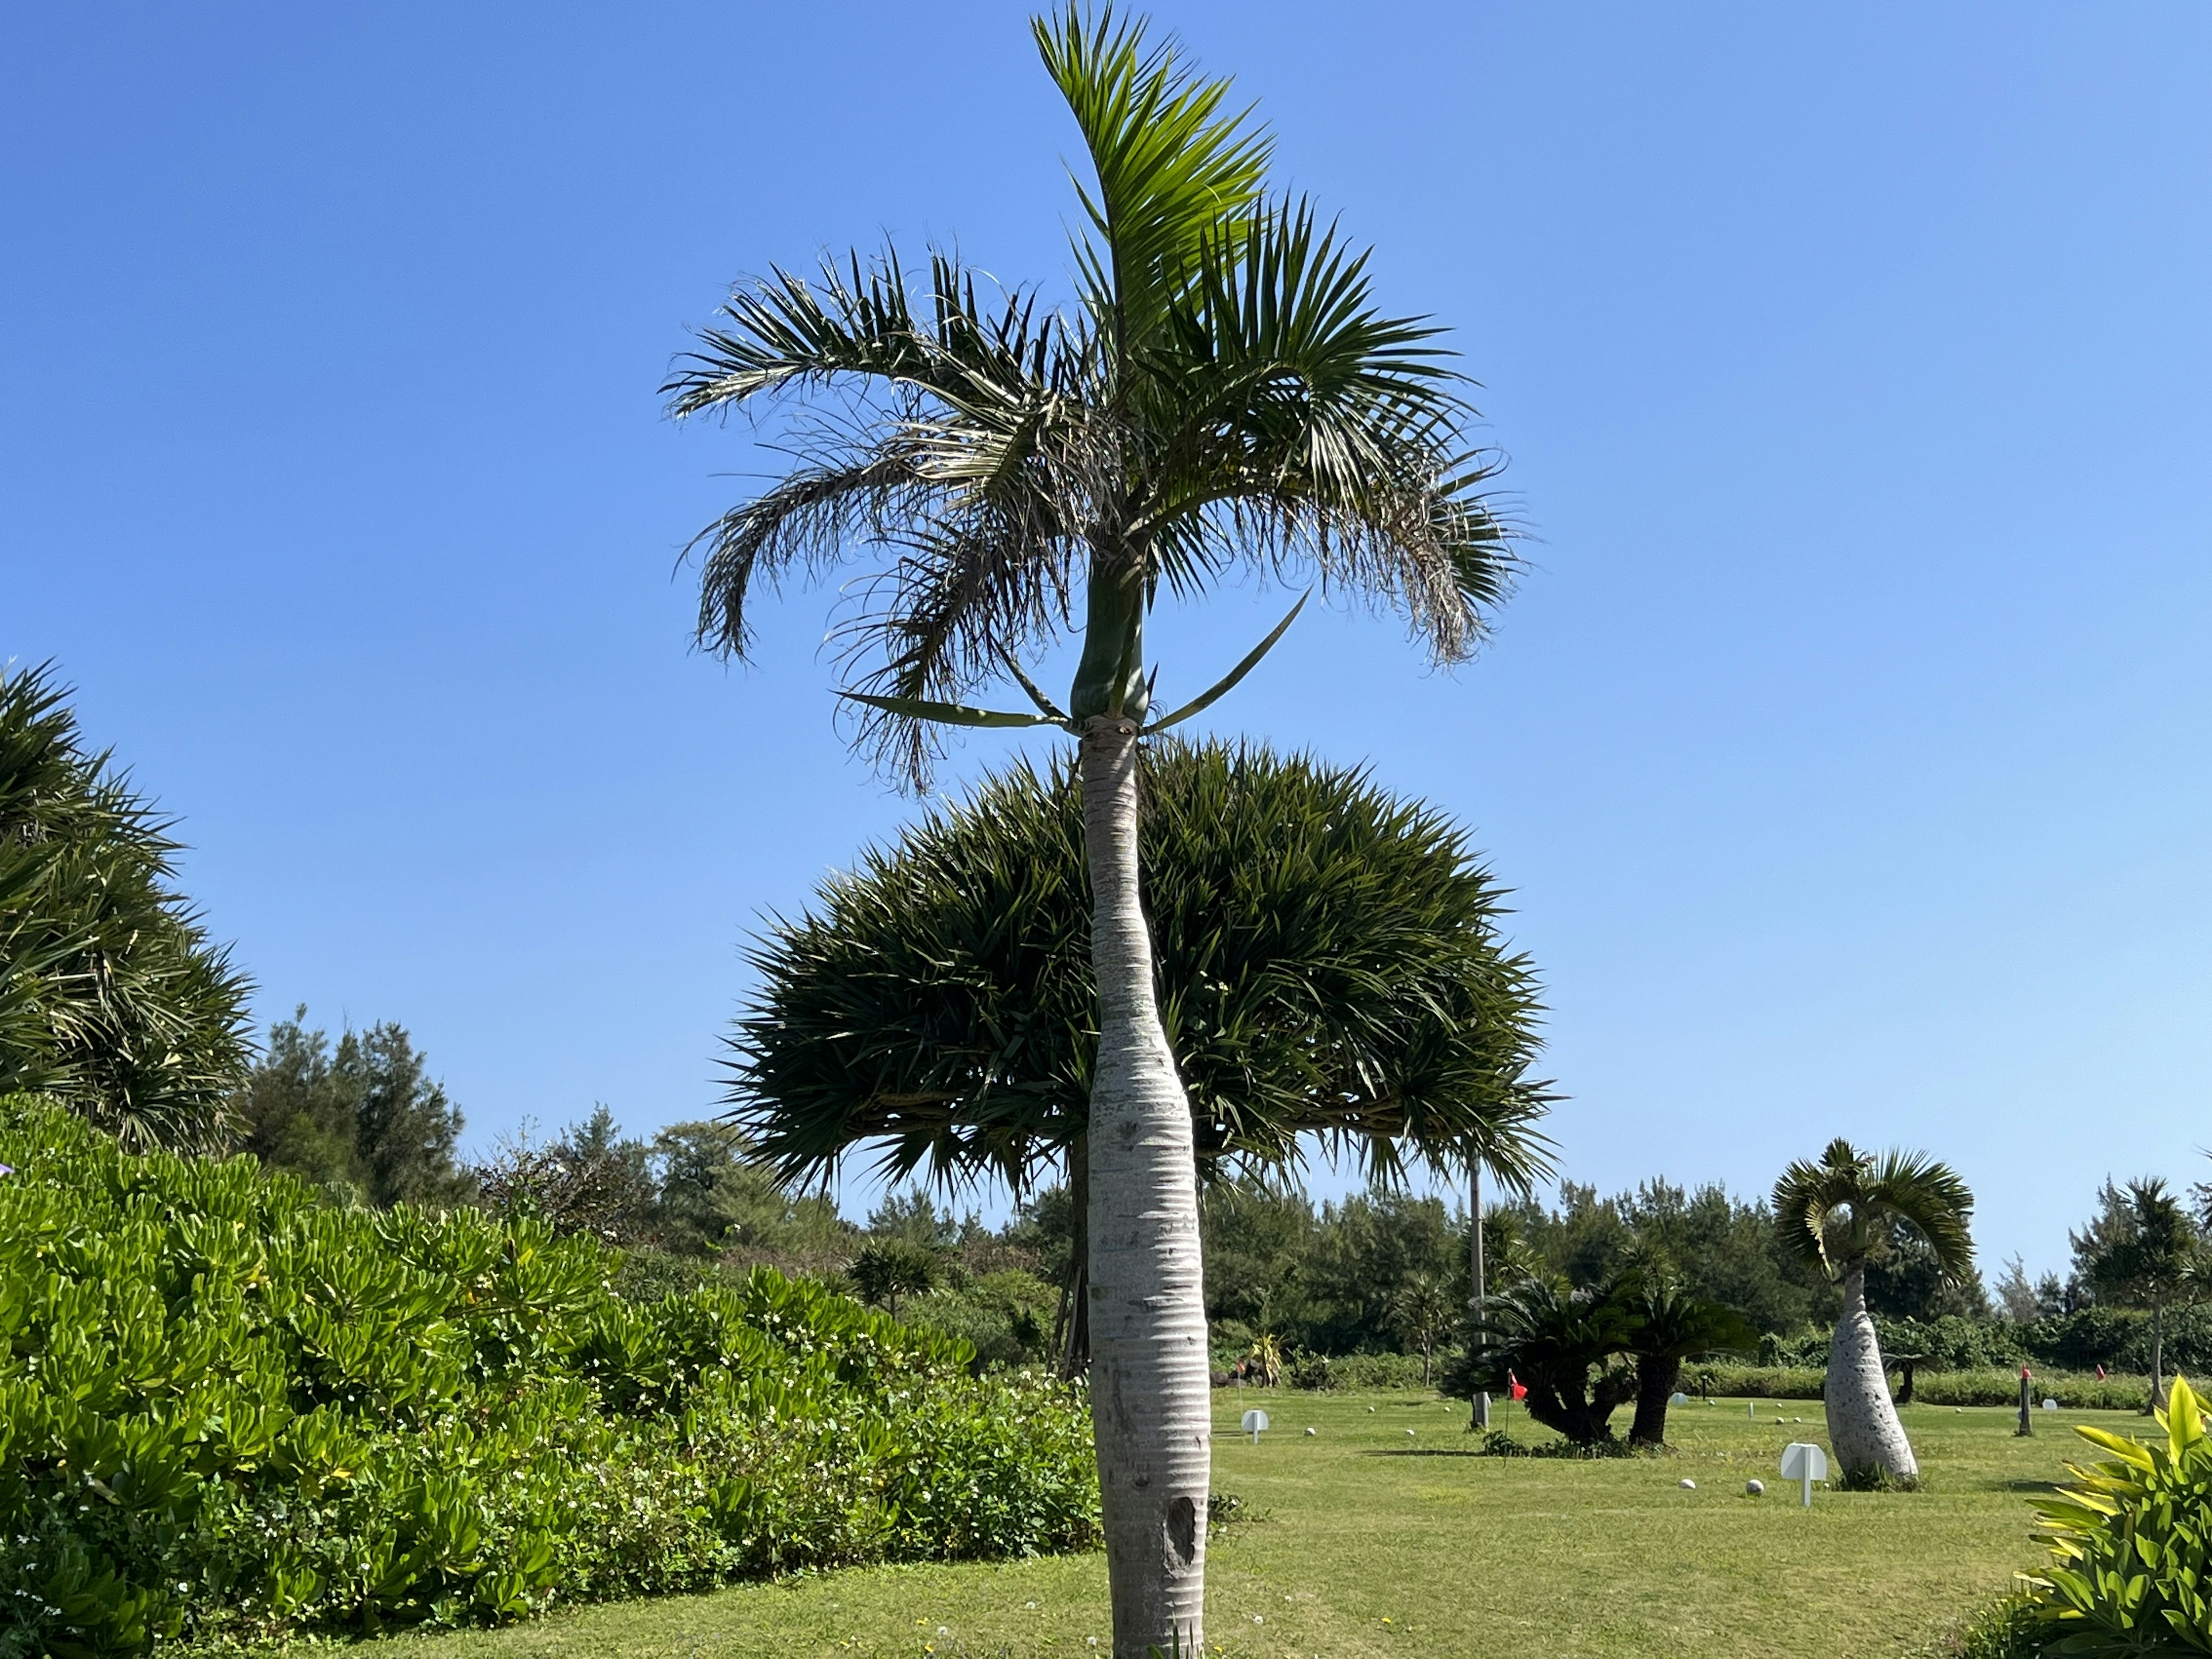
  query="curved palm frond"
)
[
  {"x": 1833, "y": 1214},
  {"x": 1298, "y": 423},
  {"x": 1932, "y": 1199},
  {"x": 1170, "y": 169}
]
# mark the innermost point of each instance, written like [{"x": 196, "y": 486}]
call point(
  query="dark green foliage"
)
[
  {"x": 1668, "y": 1324},
  {"x": 1367, "y": 1254},
  {"x": 1328, "y": 958},
  {"x": 1567, "y": 1347},
  {"x": 2120, "y": 1339},
  {"x": 365, "y": 1116},
  {"x": 112, "y": 1000},
  {"x": 1952, "y": 1342},
  {"x": 229, "y": 1407},
  {"x": 694, "y": 1191},
  {"x": 1904, "y": 1280},
  {"x": 1323, "y": 1372},
  {"x": 2155, "y": 1259},
  {"x": 1581, "y": 1353},
  {"x": 1724, "y": 1250},
  {"x": 1006, "y": 1315},
  {"x": 889, "y": 1268}
]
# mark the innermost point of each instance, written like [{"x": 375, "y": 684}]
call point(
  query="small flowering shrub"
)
[{"x": 227, "y": 1406}]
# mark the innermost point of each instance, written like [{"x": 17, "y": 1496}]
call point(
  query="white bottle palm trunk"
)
[
  {"x": 1151, "y": 1403},
  {"x": 1863, "y": 1425}
]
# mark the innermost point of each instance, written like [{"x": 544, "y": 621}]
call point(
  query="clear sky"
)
[{"x": 1845, "y": 746}]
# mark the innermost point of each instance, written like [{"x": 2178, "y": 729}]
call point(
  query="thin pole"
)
[{"x": 1481, "y": 1419}]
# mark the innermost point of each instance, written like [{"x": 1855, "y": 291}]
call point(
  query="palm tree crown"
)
[
  {"x": 1224, "y": 394},
  {"x": 1836, "y": 1214}
]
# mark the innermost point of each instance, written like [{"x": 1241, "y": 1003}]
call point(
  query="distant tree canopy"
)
[
  {"x": 112, "y": 999},
  {"x": 364, "y": 1114}
]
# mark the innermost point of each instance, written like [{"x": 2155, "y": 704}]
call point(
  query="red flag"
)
[{"x": 1515, "y": 1387}]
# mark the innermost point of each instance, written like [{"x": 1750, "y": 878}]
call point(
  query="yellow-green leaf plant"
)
[{"x": 2131, "y": 1542}]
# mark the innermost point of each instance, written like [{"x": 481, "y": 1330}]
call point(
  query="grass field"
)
[{"x": 1376, "y": 1542}]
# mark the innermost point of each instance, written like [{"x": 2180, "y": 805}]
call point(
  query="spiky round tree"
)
[
  {"x": 1226, "y": 400},
  {"x": 1836, "y": 1215},
  {"x": 1330, "y": 956},
  {"x": 112, "y": 999}
]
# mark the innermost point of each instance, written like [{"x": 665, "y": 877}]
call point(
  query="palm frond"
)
[
  {"x": 1298, "y": 422},
  {"x": 1170, "y": 168},
  {"x": 1933, "y": 1200},
  {"x": 1834, "y": 1213}
]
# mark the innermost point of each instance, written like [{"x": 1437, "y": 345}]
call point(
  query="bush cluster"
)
[
  {"x": 227, "y": 1406},
  {"x": 1984, "y": 1387},
  {"x": 1324, "y": 1372},
  {"x": 2118, "y": 1338}
]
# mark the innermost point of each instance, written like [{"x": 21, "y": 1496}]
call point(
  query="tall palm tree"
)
[
  {"x": 1226, "y": 399},
  {"x": 1837, "y": 1215},
  {"x": 2158, "y": 1260}
]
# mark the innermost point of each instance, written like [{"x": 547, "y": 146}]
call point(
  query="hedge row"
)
[
  {"x": 2073, "y": 1391},
  {"x": 227, "y": 1406}
]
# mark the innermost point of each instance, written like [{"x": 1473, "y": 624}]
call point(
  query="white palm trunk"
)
[
  {"x": 1151, "y": 1403},
  {"x": 1863, "y": 1426}
]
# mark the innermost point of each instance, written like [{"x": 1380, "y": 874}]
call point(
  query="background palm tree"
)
[
  {"x": 888, "y": 1269},
  {"x": 1422, "y": 1315},
  {"x": 1565, "y": 1347},
  {"x": 2160, "y": 1260},
  {"x": 1836, "y": 1215},
  {"x": 1329, "y": 956},
  {"x": 1226, "y": 399},
  {"x": 1667, "y": 1325}
]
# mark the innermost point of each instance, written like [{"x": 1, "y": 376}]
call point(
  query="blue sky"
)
[{"x": 1844, "y": 746}]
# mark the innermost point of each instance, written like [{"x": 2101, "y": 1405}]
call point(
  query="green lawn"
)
[{"x": 1374, "y": 1541}]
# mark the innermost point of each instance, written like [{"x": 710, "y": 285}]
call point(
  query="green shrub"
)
[
  {"x": 1005, "y": 1317},
  {"x": 2131, "y": 1543},
  {"x": 2009, "y": 1630},
  {"x": 1983, "y": 1387},
  {"x": 1355, "y": 1370},
  {"x": 227, "y": 1406}
]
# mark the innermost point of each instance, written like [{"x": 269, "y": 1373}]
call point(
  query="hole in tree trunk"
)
[{"x": 1182, "y": 1528}]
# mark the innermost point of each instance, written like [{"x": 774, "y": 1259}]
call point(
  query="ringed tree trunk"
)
[
  {"x": 1863, "y": 1425},
  {"x": 1657, "y": 1376},
  {"x": 1151, "y": 1402}
]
